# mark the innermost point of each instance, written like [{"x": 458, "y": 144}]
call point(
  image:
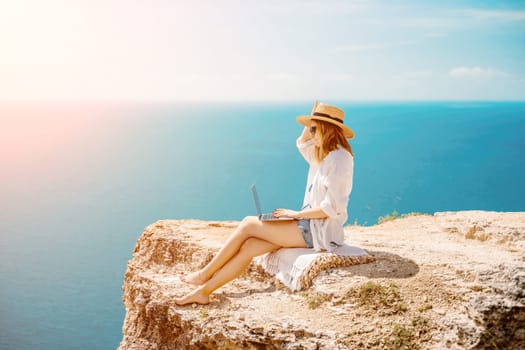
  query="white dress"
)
[{"x": 328, "y": 186}]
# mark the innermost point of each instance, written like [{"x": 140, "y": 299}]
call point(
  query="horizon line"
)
[{"x": 255, "y": 101}]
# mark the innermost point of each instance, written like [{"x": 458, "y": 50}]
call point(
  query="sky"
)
[{"x": 172, "y": 50}]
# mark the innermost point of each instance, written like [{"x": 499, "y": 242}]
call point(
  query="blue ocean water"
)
[{"x": 78, "y": 183}]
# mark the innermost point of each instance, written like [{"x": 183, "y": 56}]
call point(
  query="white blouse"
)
[{"x": 328, "y": 186}]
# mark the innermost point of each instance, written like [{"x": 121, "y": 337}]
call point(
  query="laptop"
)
[{"x": 266, "y": 217}]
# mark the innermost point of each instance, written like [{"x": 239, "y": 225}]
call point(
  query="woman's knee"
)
[{"x": 248, "y": 226}]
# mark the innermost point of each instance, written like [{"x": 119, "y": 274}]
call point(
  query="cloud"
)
[
  {"x": 494, "y": 14},
  {"x": 434, "y": 35},
  {"x": 476, "y": 72},
  {"x": 281, "y": 76},
  {"x": 337, "y": 77},
  {"x": 456, "y": 18},
  {"x": 360, "y": 48},
  {"x": 417, "y": 75},
  {"x": 373, "y": 46},
  {"x": 308, "y": 8},
  {"x": 429, "y": 23}
]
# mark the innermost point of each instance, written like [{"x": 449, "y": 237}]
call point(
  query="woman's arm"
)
[
  {"x": 305, "y": 144},
  {"x": 305, "y": 136},
  {"x": 313, "y": 213}
]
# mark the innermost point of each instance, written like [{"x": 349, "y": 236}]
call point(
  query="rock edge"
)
[{"x": 451, "y": 280}]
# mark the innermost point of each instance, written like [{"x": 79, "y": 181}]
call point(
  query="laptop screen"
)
[{"x": 256, "y": 200}]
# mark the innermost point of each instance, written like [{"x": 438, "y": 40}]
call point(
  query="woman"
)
[{"x": 319, "y": 225}]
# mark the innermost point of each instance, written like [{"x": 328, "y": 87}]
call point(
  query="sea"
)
[{"x": 80, "y": 181}]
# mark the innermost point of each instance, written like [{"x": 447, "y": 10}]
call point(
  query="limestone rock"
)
[{"x": 452, "y": 280}]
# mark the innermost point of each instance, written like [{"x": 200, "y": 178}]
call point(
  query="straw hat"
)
[{"x": 327, "y": 113}]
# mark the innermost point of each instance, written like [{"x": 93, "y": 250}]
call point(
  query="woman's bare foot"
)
[
  {"x": 194, "y": 278},
  {"x": 197, "y": 296}
]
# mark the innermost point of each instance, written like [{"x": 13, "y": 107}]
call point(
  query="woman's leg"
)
[
  {"x": 281, "y": 233},
  {"x": 251, "y": 248}
]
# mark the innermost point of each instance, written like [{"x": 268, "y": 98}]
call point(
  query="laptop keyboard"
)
[{"x": 267, "y": 216}]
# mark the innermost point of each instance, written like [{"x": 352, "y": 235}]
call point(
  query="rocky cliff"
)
[{"x": 452, "y": 280}]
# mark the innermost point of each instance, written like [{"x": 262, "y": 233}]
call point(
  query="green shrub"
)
[
  {"x": 379, "y": 297},
  {"x": 393, "y": 216},
  {"x": 315, "y": 299}
]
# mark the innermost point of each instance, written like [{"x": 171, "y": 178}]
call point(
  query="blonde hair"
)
[{"x": 332, "y": 137}]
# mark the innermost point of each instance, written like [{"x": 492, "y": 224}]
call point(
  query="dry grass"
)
[
  {"x": 425, "y": 307},
  {"x": 203, "y": 313},
  {"x": 471, "y": 234},
  {"x": 386, "y": 299},
  {"x": 476, "y": 233},
  {"x": 401, "y": 337},
  {"x": 390, "y": 217},
  {"x": 395, "y": 215},
  {"x": 314, "y": 299},
  {"x": 409, "y": 336}
]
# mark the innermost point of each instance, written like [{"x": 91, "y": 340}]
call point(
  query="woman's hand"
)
[
  {"x": 285, "y": 213},
  {"x": 305, "y": 136}
]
